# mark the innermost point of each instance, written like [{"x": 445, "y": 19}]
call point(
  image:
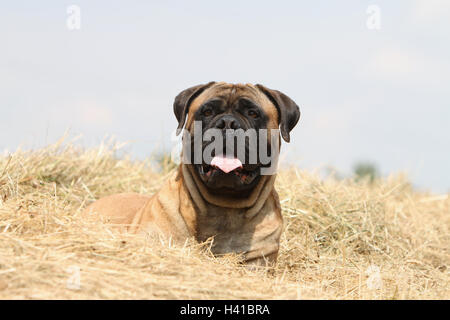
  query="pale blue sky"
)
[{"x": 378, "y": 95}]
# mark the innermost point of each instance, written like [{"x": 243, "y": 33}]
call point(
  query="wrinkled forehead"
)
[{"x": 231, "y": 93}]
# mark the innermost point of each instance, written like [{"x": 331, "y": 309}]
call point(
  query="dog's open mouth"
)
[
  {"x": 246, "y": 176},
  {"x": 229, "y": 166}
]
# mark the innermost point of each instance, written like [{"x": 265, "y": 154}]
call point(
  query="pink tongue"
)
[{"x": 226, "y": 164}]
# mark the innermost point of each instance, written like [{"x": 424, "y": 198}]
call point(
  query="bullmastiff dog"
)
[{"x": 225, "y": 198}]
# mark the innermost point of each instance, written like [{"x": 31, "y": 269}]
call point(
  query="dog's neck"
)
[
  {"x": 251, "y": 226},
  {"x": 205, "y": 200}
]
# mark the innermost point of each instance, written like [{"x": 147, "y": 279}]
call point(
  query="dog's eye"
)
[
  {"x": 207, "y": 112},
  {"x": 253, "y": 114}
]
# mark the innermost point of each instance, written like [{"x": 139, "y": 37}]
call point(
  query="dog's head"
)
[{"x": 234, "y": 111}]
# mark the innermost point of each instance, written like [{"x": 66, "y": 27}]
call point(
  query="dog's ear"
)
[
  {"x": 183, "y": 101},
  {"x": 288, "y": 111}
]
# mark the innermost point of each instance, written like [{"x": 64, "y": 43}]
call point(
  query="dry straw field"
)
[{"x": 342, "y": 240}]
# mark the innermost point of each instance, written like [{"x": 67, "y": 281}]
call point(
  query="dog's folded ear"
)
[
  {"x": 183, "y": 101},
  {"x": 288, "y": 111}
]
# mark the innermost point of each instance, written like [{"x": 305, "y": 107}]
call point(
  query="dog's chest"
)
[{"x": 232, "y": 232}]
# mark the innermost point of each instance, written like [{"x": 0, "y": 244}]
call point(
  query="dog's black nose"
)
[{"x": 228, "y": 122}]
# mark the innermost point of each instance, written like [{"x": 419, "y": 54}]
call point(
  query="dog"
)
[{"x": 226, "y": 198}]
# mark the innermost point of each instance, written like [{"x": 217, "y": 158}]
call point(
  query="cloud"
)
[
  {"x": 392, "y": 62},
  {"x": 407, "y": 67},
  {"x": 430, "y": 11},
  {"x": 85, "y": 113},
  {"x": 92, "y": 114}
]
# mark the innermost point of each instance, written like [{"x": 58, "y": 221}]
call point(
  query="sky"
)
[{"x": 371, "y": 85}]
